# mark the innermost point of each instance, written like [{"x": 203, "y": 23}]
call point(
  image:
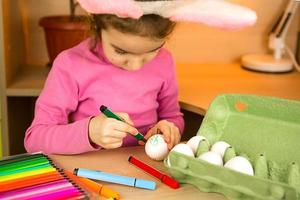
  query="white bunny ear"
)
[
  {"x": 217, "y": 13},
  {"x": 121, "y": 8}
]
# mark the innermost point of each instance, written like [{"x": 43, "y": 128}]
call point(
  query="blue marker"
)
[{"x": 113, "y": 178}]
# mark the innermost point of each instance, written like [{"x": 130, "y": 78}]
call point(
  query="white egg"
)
[
  {"x": 156, "y": 147},
  {"x": 184, "y": 149},
  {"x": 194, "y": 142},
  {"x": 212, "y": 157},
  {"x": 240, "y": 164},
  {"x": 220, "y": 147}
]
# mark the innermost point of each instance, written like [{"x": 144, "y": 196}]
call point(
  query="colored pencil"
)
[
  {"x": 24, "y": 164},
  {"x": 39, "y": 179},
  {"x": 62, "y": 194},
  {"x": 26, "y": 173},
  {"x": 25, "y": 169},
  {"x": 35, "y": 177},
  {"x": 30, "y": 177},
  {"x": 20, "y": 158},
  {"x": 40, "y": 189}
]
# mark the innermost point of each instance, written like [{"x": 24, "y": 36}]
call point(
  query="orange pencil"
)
[
  {"x": 94, "y": 186},
  {"x": 30, "y": 181},
  {"x": 29, "y": 177}
]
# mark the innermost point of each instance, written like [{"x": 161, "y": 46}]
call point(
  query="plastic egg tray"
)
[{"x": 254, "y": 126}]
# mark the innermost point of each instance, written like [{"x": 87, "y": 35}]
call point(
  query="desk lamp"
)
[{"x": 276, "y": 62}]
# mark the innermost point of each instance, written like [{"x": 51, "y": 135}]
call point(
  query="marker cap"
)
[
  {"x": 150, "y": 185},
  {"x": 105, "y": 191},
  {"x": 170, "y": 182}
]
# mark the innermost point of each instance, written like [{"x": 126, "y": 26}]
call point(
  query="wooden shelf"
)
[
  {"x": 199, "y": 84},
  {"x": 28, "y": 82}
]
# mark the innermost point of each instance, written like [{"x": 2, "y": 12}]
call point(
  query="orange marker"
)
[{"x": 93, "y": 186}]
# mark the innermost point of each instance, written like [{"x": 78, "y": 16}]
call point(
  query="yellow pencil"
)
[{"x": 26, "y": 173}]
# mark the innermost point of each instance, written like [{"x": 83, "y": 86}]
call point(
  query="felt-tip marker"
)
[
  {"x": 93, "y": 186},
  {"x": 108, "y": 113},
  {"x": 154, "y": 172},
  {"x": 114, "y": 178}
]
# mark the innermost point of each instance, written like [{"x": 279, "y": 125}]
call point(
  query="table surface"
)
[
  {"x": 116, "y": 161},
  {"x": 199, "y": 84}
]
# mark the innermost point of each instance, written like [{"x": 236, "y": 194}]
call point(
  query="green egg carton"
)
[{"x": 254, "y": 126}]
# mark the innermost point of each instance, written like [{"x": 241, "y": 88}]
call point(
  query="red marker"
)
[{"x": 163, "y": 177}]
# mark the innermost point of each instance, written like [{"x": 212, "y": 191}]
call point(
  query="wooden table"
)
[
  {"x": 116, "y": 161},
  {"x": 199, "y": 84}
]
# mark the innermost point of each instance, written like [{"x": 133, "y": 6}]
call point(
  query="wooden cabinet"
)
[
  {"x": 23, "y": 59},
  {"x": 20, "y": 83}
]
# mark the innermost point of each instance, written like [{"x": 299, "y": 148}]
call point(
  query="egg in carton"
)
[{"x": 262, "y": 130}]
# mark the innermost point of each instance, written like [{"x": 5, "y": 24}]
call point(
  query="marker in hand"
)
[{"x": 108, "y": 113}]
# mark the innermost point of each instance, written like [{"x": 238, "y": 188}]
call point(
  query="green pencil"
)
[
  {"x": 27, "y": 173},
  {"x": 110, "y": 114},
  {"x": 20, "y": 166},
  {"x": 20, "y": 158},
  {"x": 25, "y": 169},
  {"x": 23, "y": 162}
]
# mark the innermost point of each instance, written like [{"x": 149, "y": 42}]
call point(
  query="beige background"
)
[{"x": 192, "y": 43}]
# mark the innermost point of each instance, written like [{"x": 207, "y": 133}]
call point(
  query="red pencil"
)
[{"x": 154, "y": 172}]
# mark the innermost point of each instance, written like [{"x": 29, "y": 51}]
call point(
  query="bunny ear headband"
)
[{"x": 217, "y": 13}]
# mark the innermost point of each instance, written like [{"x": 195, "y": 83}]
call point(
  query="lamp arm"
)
[{"x": 277, "y": 37}]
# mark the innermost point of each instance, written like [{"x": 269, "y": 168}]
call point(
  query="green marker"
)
[{"x": 108, "y": 113}]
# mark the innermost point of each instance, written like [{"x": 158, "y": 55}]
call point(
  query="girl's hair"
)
[{"x": 153, "y": 26}]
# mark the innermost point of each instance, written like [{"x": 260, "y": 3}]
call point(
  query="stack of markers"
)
[{"x": 34, "y": 176}]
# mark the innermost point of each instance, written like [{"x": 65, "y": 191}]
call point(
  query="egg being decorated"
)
[
  {"x": 194, "y": 142},
  {"x": 220, "y": 147},
  {"x": 212, "y": 157},
  {"x": 156, "y": 147},
  {"x": 184, "y": 149},
  {"x": 240, "y": 164}
]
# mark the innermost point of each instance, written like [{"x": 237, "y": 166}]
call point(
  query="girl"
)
[{"x": 124, "y": 67}]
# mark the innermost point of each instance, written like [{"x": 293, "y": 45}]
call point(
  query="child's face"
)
[{"x": 129, "y": 51}]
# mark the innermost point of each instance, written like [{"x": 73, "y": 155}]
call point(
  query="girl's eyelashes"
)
[{"x": 118, "y": 51}]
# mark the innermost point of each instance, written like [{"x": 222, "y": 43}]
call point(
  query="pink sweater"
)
[{"x": 81, "y": 80}]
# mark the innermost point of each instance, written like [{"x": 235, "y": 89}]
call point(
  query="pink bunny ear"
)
[
  {"x": 122, "y": 8},
  {"x": 217, "y": 13}
]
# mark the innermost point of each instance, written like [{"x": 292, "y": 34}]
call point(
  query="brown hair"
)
[{"x": 153, "y": 26}]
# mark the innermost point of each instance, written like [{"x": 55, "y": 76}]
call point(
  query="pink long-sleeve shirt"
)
[{"x": 81, "y": 80}]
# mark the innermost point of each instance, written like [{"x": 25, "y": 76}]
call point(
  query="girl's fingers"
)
[
  {"x": 166, "y": 131},
  {"x": 114, "y": 145},
  {"x": 172, "y": 137},
  {"x": 150, "y": 133},
  {"x": 175, "y": 137},
  {"x": 116, "y": 134},
  {"x": 178, "y": 138},
  {"x": 110, "y": 140},
  {"x": 126, "y": 117},
  {"x": 123, "y": 127}
]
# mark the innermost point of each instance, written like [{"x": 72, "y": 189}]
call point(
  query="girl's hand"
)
[
  {"x": 108, "y": 132},
  {"x": 168, "y": 129}
]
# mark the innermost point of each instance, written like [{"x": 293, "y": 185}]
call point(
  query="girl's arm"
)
[
  {"x": 50, "y": 130},
  {"x": 168, "y": 98}
]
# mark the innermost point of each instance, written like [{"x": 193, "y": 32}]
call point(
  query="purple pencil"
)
[
  {"x": 26, "y": 193},
  {"x": 60, "y": 194}
]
